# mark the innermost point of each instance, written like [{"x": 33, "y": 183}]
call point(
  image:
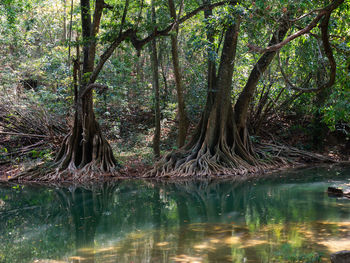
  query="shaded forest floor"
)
[{"x": 30, "y": 136}]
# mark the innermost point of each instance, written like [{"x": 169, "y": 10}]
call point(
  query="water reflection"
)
[
  {"x": 281, "y": 219},
  {"x": 85, "y": 207}
]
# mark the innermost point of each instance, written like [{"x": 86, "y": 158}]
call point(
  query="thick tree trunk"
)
[
  {"x": 211, "y": 92},
  {"x": 221, "y": 144},
  {"x": 183, "y": 119},
  {"x": 216, "y": 148},
  {"x": 211, "y": 74},
  {"x": 244, "y": 99},
  {"x": 85, "y": 150}
]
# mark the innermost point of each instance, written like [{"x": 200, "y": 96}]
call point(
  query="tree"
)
[
  {"x": 155, "y": 83},
  {"x": 85, "y": 150},
  {"x": 183, "y": 119},
  {"x": 221, "y": 144}
]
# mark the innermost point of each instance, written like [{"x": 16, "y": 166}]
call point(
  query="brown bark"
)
[
  {"x": 211, "y": 74},
  {"x": 155, "y": 75},
  {"x": 64, "y": 33},
  {"x": 85, "y": 150},
  {"x": 139, "y": 43},
  {"x": 183, "y": 119},
  {"x": 244, "y": 99},
  {"x": 215, "y": 148}
]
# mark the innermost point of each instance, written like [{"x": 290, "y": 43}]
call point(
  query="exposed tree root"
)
[
  {"x": 76, "y": 154},
  {"x": 226, "y": 162},
  {"x": 50, "y": 173},
  {"x": 100, "y": 164},
  {"x": 203, "y": 163}
]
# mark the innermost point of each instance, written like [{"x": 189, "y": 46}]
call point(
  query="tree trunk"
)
[
  {"x": 64, "y": 33},
  {"x": 86, "y": 207},
  {"x": 215, "y": 149},
  {"x": 183, "y": 119},
  {"x": 155, "y": 75},
  {"x": 211, "y": 74},
  {"x": 220, "y": 144},
  {"x": 244, "y": 99},
  {"x": 85, "y": 150}
]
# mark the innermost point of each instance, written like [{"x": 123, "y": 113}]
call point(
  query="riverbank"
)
[{"x": 137, "y": 169}]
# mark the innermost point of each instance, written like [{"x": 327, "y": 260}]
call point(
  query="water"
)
[{"x": 284, "y": 218}]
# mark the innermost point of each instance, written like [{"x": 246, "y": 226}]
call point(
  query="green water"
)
[{"x": 284, "y": 218}]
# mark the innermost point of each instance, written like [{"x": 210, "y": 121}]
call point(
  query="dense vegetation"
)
[{"x": 225, "y": 87}]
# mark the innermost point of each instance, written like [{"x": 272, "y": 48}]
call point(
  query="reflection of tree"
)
[
  {"x": 27, "y": 214},
  {"x": 156, "y": 212},
  {"x": 254, "y": 216},
  {"x": 86, "y": 206},
  {"x": 206, "y": 201},
  {"x": 210, "y": 221}
]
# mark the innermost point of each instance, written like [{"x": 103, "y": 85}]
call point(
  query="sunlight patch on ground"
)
[
  {"x": 186, "y": 259},
  {"x": 335, "y": 245},
  {"x": 203, "y": 246},
  {"x": 48, "y": 261},
  {"x": 162, "y": 244},
  {"x": 232, "y": 240},
  {"x": 77, "y": 258}
]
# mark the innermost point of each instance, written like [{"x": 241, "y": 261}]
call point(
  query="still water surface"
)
[{"x": 284, "y": 218}]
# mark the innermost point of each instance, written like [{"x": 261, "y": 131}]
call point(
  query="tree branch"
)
[
  {"x": 323, "y": 12},
  {"x": 328, "y": 51},
  {"x": 288, "y": 82},
  {"x": 139, "y": 43},
  {"x": 107, "y": 6},
  {"x": 245, "y": 97},
  {"x": 305, "y": 15},
  {"x": 124, "y": 16},
  {"x": 99, "y": 5},
  {"x": 104, "y": 57},
  {"x": 91, "y": 87}
]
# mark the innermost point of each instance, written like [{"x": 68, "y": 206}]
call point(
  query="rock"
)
[
  {"x": 341, "y": 257},
  {"x": 335, "y": 191}
]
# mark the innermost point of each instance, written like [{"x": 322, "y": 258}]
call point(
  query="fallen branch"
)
[{"x": 25, "y": 134}]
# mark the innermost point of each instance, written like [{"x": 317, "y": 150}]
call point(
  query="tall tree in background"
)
[
  {"x": 183, "y": 119},
  {"x": 155, "y": 84}
]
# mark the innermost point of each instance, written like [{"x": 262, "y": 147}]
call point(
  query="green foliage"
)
[
  {"x": 32, "y": 46},
  {"x": 287, "y": 254}
]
